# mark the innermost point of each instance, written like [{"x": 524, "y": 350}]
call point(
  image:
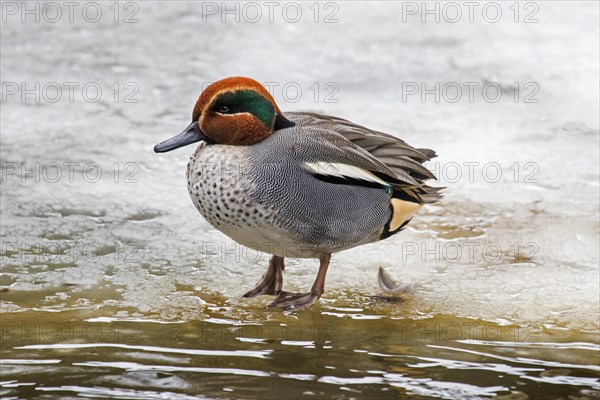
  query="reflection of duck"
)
[{"x": 296, "y": 184}]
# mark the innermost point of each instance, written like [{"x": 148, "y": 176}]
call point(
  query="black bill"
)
[{"x": 191, "y": 134}]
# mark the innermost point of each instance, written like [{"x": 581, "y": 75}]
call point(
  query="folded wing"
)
[{"x": 356, "y": 154}]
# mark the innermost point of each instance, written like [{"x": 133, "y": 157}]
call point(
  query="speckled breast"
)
[{"x": 220, "y": 186}]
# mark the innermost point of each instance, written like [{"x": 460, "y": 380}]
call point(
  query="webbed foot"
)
[
  {"x": 390, "y": 286},
  {"x": 271, "y": 282},
  {"x": 289, "y": 301}
]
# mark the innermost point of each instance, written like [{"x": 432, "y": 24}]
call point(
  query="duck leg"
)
[
  {"x": 295, "y": 301},
  {"x": 272, "y": 281}
]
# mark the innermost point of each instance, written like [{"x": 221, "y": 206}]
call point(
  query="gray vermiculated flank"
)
[{"x": 322, "y": 214}]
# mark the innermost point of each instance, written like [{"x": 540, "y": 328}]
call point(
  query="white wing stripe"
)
[{"x": 343, "y": 171}]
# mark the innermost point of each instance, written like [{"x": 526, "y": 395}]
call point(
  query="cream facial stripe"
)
[{"x": 236, "y": 114}]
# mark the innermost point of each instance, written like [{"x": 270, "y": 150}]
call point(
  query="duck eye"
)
[{"x": 223, "y": 109}]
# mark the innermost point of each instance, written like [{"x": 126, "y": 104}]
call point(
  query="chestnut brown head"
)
[{"x": 232, "y": 111}]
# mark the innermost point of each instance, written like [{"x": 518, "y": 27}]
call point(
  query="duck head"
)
[{"x": 233, "y": 111}]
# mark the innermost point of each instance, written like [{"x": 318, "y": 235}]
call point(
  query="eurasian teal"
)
[{"x": 296, "y": 184}]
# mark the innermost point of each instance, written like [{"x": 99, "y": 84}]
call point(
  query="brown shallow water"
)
[{"x": 326, "y": 352}]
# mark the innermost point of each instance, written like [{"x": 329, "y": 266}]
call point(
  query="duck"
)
[{"x": 296, "y": 184}]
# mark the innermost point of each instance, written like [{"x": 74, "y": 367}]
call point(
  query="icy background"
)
[
  {"x": 505, "y": 270},
  {"x": 138, "y": 244}
]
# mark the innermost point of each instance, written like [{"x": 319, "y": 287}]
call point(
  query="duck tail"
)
[
  {"x": 404, "y": 204},
  {"x": 431, "y": 194}
]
